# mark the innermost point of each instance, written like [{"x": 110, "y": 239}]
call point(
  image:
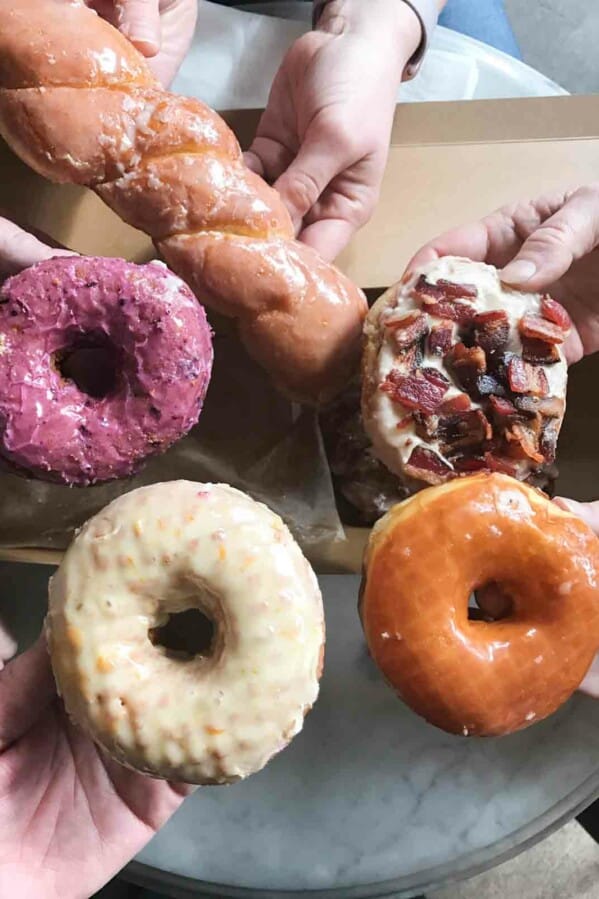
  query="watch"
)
[{"x": 428, "y": 13}]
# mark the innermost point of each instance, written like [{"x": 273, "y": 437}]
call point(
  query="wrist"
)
[{"x": 392, "y": 24}]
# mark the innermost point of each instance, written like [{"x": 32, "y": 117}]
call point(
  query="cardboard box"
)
[{"x": 449, "y": 163}]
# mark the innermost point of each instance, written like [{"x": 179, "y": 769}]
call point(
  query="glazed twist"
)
[{"x": 79, "y": 104}]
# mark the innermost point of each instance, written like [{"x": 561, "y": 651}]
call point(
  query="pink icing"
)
[{"x": 157, "y": 344}]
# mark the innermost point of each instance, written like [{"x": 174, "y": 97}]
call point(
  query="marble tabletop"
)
[{"x": 368, "y": 800}]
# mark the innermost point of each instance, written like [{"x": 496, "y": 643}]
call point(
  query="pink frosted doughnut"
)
[{"x": 143, "y": 344}]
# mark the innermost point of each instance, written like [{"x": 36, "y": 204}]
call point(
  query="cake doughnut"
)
[
  {"x": 219, "y": 712},
  {"x": 423, "y": 561},
  {"x": 102, "y": 364},
  {"x": 462, "y": 373}
]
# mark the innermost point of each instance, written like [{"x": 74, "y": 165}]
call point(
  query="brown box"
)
[{"x": 449, "y": 163}]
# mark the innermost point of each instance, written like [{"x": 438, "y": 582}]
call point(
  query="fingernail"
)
[
  {"x": 146, "y": 44},
  {"x": 518, "y": 272}
]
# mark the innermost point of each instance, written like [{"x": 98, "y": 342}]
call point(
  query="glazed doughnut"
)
[
  {"x": 102, "y": 364},
  {"x": 462, "y": 373},
  {"x": 424, "y": 560},
  {"x": 216, "y": 714}
]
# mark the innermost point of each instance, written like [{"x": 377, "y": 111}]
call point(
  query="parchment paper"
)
[{"x": 247, "y": 436}]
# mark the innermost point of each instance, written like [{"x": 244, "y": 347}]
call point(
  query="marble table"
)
[{"x": 368, "y": 800}]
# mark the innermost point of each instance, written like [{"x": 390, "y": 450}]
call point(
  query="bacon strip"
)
[
  {"x": 425, "y": 465},
  {"x": 422, "y": 390},
  {"x": 555, "y": 313},
  {"x": 526, "y": 378},
  {"x": 441, "y": 338},
  {"x": 538, "y": 352},
  {"x": 492, "y": 330},
  {"x": 407, "y": 330},
  {"x": 537, "y": 328}
]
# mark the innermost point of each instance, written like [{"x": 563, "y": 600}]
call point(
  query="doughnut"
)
[
  {"x": 424, "y": 560},
  {"x": 218, "y": 710},
  {"x": 461, "y": 374},
  {"x": 103, "y": 363}
]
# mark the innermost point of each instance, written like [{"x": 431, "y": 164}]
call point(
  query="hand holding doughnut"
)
[
  {"x": 424, "y": 560},
  {"x": 79, "y": 104}
]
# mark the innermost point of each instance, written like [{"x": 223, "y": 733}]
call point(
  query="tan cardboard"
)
[{"x": 448, "y": 163}]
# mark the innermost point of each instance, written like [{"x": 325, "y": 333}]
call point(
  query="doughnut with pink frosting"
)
[{"x": 103, "y": 363}]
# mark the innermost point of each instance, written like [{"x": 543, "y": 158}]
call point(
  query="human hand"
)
[
  {"x": 160, "y": 29},
  {"x": 547, "y": 244},
  {"x": 324, "y": 137},
  {"x": 19, "y": 249},
  {"x": 70, "y": 818}
]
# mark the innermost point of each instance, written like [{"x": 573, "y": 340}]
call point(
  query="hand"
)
[
  {"x": 324, "y": 137},
  {"x": 69, "y": 817},
  {"x": 547, "y": 244},
  {"x": 19, "y": 250},
  {"x": 160, "y": 29}
]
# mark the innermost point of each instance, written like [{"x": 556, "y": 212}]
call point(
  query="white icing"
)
[
  {"x": 208, "y": 719},
  {"x": 394, "y": 446}
]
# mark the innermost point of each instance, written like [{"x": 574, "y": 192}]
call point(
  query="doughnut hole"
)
[
  {"x": 490, "y": 602},
  {"x": 92, "y": 362},
  {"x": 185, "y": 635}
]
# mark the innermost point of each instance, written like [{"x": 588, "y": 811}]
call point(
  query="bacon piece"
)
[
  {"x": 555, "y": 313},
  {"x": 459, "y": 403},
  {"x": 410, "y": 359},
  {"x": 446, "y": 299},
  {"x": 407, "y": 330},
  {"x": 537, "y": 328},
  {"x": 425, "y": 465},
  {"x": 527, "y": 440},
  {"x": 498, "y": 463},
  {"x": 488, "y": 384},
  {"x": 548, "y": 441},
  {"x": 467, "y": 365},
  {"x": 422, "y": 390},
  {"x": 445, "y": 290},
  {"x": 539, "y": 352},
  {"x": 470, "y": 428},
  {"x": 465, "y": 464},
  {"x": 502, "y": 407},
  {"x": 426, "y": 425},
  {"x": 441, "y": 337},
  {"x": 492, "y": 330},
  {"x": 549, "y": 407},
  {"x": 526, "y": 378}
]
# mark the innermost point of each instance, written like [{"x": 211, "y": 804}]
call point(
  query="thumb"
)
[
  {"x": 566, "y": 236},
  {"x": 19, "y": 249},
  {"x": 139, "y": 20},
  {"x": 589, "y": 512},
  {"x": 307, "y": 177}
]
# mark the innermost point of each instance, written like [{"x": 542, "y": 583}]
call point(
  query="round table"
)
[{"x": 368, "y": 800}]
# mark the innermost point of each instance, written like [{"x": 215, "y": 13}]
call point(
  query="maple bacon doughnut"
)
[
  {"x": 424, "y": 560},
  {"x": 462, "y": 373},
  {"x": 217, "y": 711}
]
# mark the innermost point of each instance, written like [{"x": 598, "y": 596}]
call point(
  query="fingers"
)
[
  {"x": 562, "y": 238},
  {"x": 471, "y": 241},
  {"x": 139, "y": 20},
  {"x": 589, "y": 512},
  {"x": 590, "y": 684},
  {"x": 18, "y": 249},
  {"x": 328, "y": 237},
  {"x": 26, "y": 689},
  {"x": 307, "y": 177}
]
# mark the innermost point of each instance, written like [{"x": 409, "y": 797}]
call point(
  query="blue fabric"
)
[{"x": 486, "y": 20}]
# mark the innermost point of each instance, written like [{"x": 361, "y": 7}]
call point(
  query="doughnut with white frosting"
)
[
  {"x": 462, "y": 373},
  {"x": 211, "y": 717}
]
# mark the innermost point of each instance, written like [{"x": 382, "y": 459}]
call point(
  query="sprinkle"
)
[
  {"x": 103, "y": 665},
  {"x": 530, "y": 716},
  {"x": 538, "y": 660},
  {"x": 222, "y": 553},
  {"x": 385, "y": 635},
  {"x": 75, "y": 637},
  {"x": 190, "y": 517},
  {"x": 465, "y": 731},
  {"x": 138, "y": 529},
  {"x": 161, "y": 524},
  {"x": 213, "y": 730}
]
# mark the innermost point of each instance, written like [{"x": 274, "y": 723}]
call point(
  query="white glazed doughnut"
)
[
  {"x": 461, "y": 374},
  {"x": 155, "y": 552}
]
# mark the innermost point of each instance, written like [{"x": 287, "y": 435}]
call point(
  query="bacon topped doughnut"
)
[
  {"x": 424, "y": 560},
  {"x": 462, "y": 373}
]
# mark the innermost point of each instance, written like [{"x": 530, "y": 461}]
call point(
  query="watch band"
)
[{"x": 426, "y": 10}]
